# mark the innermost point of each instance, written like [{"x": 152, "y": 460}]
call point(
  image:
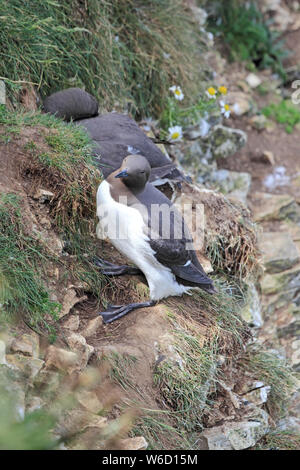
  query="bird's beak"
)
[{"x": 122, "y": 174}]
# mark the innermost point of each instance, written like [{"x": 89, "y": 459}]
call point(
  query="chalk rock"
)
[
  {"x": 92, "y": 327},
  {"x": 279, "y": 251},
  {"x": 274, "y": 207},
  {"x": 237, "y": 435},
  {"x": 69, "y": 301},
  {"x": 43, "y": 195},
  {"x": 253, "y": 80},
  {"x": 72, "y": 323},
  {"x": 133, "y": 443},
  {"x": 2, "y": 92},
  {"x": 252, "y": 311},
  {"x": 26, "y": 344},
  {"x": 225, "y": 141},
  {"x": 61, "y": 359}
]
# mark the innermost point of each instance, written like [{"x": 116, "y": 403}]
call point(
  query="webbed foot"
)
[
  {"x": 114, "y": 312},
  {"x": 110, "y": 269}
]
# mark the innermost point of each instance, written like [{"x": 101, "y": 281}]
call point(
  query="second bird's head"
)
[{"x": 134, "y": 171}]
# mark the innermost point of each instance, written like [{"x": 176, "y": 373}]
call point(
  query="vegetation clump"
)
[
  {"x": 125, "y": 53},
  {"x": 247, "y": 36},
  {"x": 285, "y": 113}
]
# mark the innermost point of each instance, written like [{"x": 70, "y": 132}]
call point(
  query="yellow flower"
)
[
  {"x": 222, "y": 90},
  {"x": 211, "y": 92}
]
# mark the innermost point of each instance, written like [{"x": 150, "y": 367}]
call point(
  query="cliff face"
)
[
  {"x": 193, "y": 372},
  {"x": 184, "y": 361}
]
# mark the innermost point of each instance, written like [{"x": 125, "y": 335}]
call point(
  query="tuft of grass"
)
[
  {"x": 247, "y": 36},
  {"x": 273, "y": 371},
  {"x": 22, "y": 292},
  {"x": 157, "y": 428},
  {"x": 125, "y": 53},
  {"x": 279, "y": 440},
  {"x": 285, "y": 113},
  {"x": 184, "y": 387},
  {"x": 64, "y": 163}
]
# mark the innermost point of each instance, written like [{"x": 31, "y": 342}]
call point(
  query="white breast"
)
[{"x": 125, "y": 228}]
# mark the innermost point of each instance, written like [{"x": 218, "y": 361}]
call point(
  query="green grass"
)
[
  {"x": 185, "y": 388},
  {"x": 279, "y": 440},
  {"x": 285, "y": 113},
  {"x": 60, "y": 160},
  {"x": 22, "y": 292},
  {"x": 246, "y": 35},
  {"x": 125, "y": 53},
  {"x": 274, "y": 372}
]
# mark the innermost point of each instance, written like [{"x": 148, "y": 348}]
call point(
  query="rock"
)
[
  {"x": 33, "y": 404},
  {"x": 279, "y": 251},
  {"x": 49, "y": 380},
  {"x": 43, "y": 195},
  {"x": 92, "y": 327},
  {"x": 259, "y": 395},
  {"x": 2, "y": 92},
  {"x": 225, "y": 141},
  {"x": 27, "y": 345},
  {"x": 72, "y": 323},
  {"x": 57, "y": 358},
  {"x": 199, "y": 15},
  {"x": 277, "y": 178},
  {"x": 290, "y": 424},
  {"x": 78, "y": 344},
  {"x": 29, "y": 366},
  {"x": 69, "y": 301},
  {"x": 133, "y": 443},
  {"x": 237, "y": 435},
  {"x": 251, "y": 312},
  {"x": 240, "y": 103},
  {"x": 235, "y": 184},
  {"x": 268, "y": 157},
  {"x": 90, "y": 401},
  {"x": 75, "y": 421},
  {"x": 258, "y": 121},
  {"x": 166, "y": 352},
  {"x": 280, "y": 282},
  {"x": 293, "y": 329},
  {"x": 253, "y": 80},
  {"x": 2, "y": 352},
  {"x": 274, "y": 207}
]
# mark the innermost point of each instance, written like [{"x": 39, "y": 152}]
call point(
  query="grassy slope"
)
[{"x": 127, "y": 53}]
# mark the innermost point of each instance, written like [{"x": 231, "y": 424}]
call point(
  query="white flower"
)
[
  {"x": 225, "y": 109},
  {"x": 177, "y": 92},
  {"x": 175, "y": 133}
]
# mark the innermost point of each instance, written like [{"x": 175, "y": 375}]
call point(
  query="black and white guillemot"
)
[{"x": 125, "y": 203}]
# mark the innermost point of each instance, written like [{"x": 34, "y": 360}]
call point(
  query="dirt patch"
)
[{"x": 284, "y": 147}]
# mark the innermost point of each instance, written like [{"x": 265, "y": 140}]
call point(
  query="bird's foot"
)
[
  {"x": 110, "y": 269},
  {"x": 114, "y": 312}
]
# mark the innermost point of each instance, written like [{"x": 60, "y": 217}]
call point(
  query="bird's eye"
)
[{"x": 143, "y": 171}]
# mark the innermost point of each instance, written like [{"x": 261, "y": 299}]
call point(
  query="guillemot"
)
[
  {"x": 114, "y": 135},
  {"x": 132, "y": 215}
]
